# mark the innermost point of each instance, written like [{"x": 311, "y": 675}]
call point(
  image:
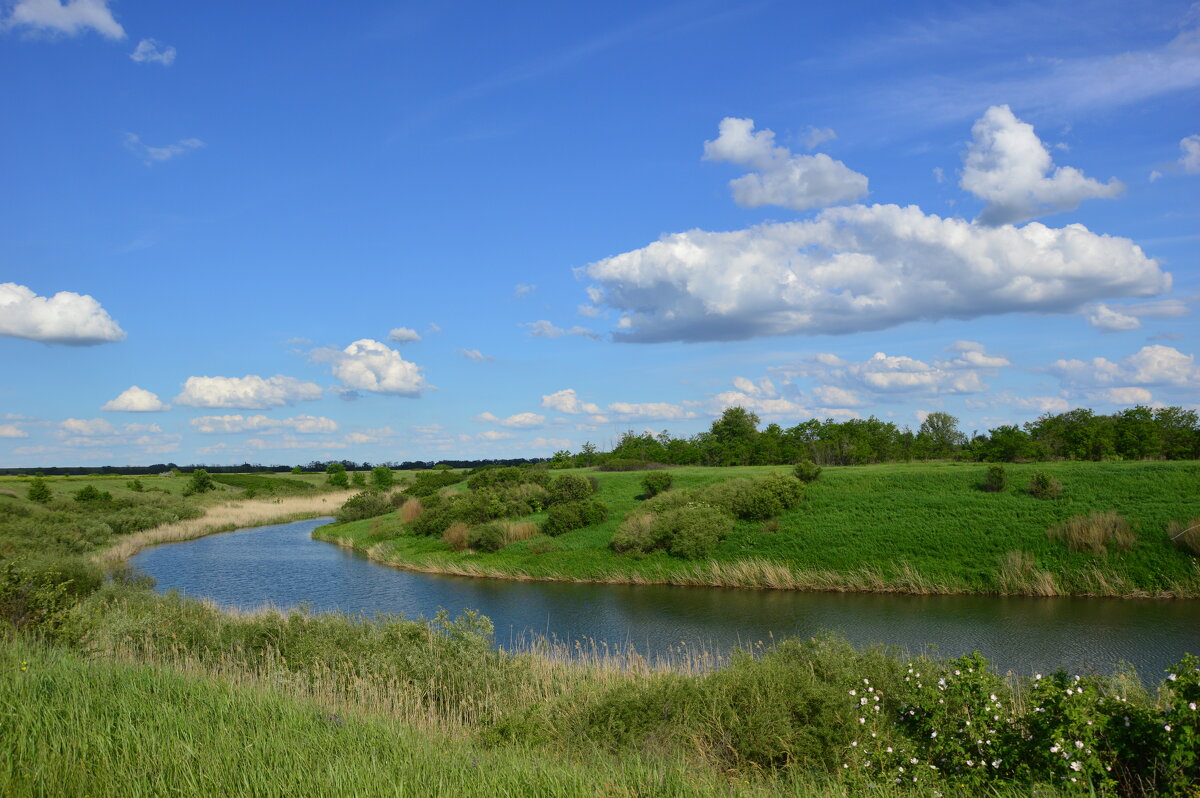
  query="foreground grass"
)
[{"x": 914, "y": 528}]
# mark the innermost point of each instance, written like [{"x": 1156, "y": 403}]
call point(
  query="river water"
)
[{"x": 282, "y": 566}]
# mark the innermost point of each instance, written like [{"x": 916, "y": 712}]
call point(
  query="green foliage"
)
[
  {"x": 358, "y": 479},
  {"x": 806, "y": 471},
  {"x": 430, "y": 482},
  {"x": 367, "y": 504},
  {"x": 264, "y": 483},
  {"x": 201, "y": 482},
  {"x": 487, "y": 537},
  {"x": 693, "y": 532},
  {"x": 1044, "y": 486},
  {"x": 36, "y": 594},
  {"x": 382, "y": 478},
  {"x": 570, "y": 488},
  {"x": 497, "y": 476},
  {"x": 656, "y": 482},
  {"x": 573, "y": 515},
  {"x": 135, "y": 485},
  {"x": 297, "y": 470},
  {"x": 337, "y": 477},
  {"x": 995, "y": 480},
  {"x": 39, "y": 491},
  {"x": 89, "y": 494}
]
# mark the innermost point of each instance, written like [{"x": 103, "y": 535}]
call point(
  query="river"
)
[{"x": 282, "y": 566}]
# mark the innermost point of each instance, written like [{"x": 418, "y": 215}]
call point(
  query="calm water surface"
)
[{"x": 282, "y": 566}]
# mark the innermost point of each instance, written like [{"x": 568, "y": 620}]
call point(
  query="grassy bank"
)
[{"x": 914, "y": 528}]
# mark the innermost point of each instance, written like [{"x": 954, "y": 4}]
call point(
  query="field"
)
[{"x": 920, "y": 528}]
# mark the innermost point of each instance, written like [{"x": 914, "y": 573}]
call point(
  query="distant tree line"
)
[{"x": 1137, "y": 433}]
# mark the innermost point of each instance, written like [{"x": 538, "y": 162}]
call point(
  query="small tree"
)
[
  {"x": 996, "y": 479},
  {"x": 806, "y": 471},
  {"x": 135, "y": 485},
  {"x": 655, "y": 482},
  {"x": 359, "y": 479},
  {"x": 382, "y": 478},
  {"x": 201, "y": 482},
  {"x": 337, "y": 475},
  {"x": 1044, "y": 486},
  {"x": 297, "y": 470},
  {"x": 39, "y": 491}
]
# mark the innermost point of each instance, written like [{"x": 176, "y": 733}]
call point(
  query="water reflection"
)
[{"x": 283, "y": 566}]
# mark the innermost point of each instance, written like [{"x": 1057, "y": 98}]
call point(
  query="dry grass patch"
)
[
  {"x": 1095, "y": 532},
  {"x": 519, "y": 530},
  {"x": 1186, "y": 534},
  {"x": 411, "y": 510},
  {"x": 1019, "y": 576},
  {"x": 455, "y": 535}
]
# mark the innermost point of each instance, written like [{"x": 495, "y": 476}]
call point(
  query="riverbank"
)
[{"x": 924, "y": 528}]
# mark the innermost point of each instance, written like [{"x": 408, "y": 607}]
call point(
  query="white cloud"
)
[
  {"x": 92, "y": 427},
  {"x": 1102, "y": 317},
  {"x": 1190, "y": 161},
  {"x": 496, "y": 435},
  {"x": 816, "y": 135},
  {"x": 1008, "y": 166},
  {"x": 305, "y": 425},
  {"x": 939, "y": 175},
  {"x": 861, "y": 268},
  {"x": 151, "y": 155},
  {"x": 520, "y": 420},
  {"x": 549, "y": 443},
  {"x": 522, "y": 289},
  {"x": 12, "y": 431},
  {"x": 250, "y": 392},
  {"x": 82, "y": 433},
  {"x": 649, "y": 410},
  {"x": 1156, "y": 364},
  {"x": 1155, "y": 175},
  {"x": 288, "y": 442},
  {"x": 75, "y": 17},
  {"x": 150, "y": 51},
  {"x": 136, "y": 400},
  {"x": 973, "y": 355},
  {"x": 369, "y": 365},
  {"x": 544, "y": 329},
  {"x": 833, "y": 396},
  {"x": 476, "y": 355},
  {"x": 793, "y": 181},
  {"x": 567, "y": 401},
  {"x": 65, "y": 318},
  {"x": 843, "y": 381},
  {"x": 404, "y": 335},
  {"x": 1122, "y": 396}
]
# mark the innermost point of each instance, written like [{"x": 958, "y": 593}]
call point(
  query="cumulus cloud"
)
[
  {"x": 549, "y": 443},
  {"x": 404, "y": 335},
  {"x": 83, "y": 433},
  {"x": 231, "y": 424},
  {"x": 1190, "y": 160},
  {"x": 799, "y": 182},
  {"x": 519, "y": 420},
  {"x": 522, "y": 289},
  {"x": 150, "y": 51},
  {"x": 1122, "y": 396},
  {"x": 628, "y": 411},
  {"x": 368, "y": 365},
  {"x": 1008, "y": 166},
  {"x": 250, "y": 392},
  {"x": 1156, "y": 364},
  {"x": 1105, "y": 318},
  {"x": 972, "y": 355},
  {"x": 65, "y": 318},
  {"x": 476, "y": 355},
  {"x": 12, "y": 431},
  {"x": 152, "y": 155},
  {"x": 544, "y": 329},
  {"x": 567, "y": 401},
  {"x": 496, "y": 435},
  {"x": 816, "y": 135},
  {"x": 136, "y": 400},
  {"x": 72, "y": 18},
  {"x": 860, "y": 268}
]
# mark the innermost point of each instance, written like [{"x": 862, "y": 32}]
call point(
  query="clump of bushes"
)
[
  {"x": 806, "y": 471},
  {"x": 570, "y": 488},
  {"x": 428, "y": 483},
  {"x": 88, "y": 494},
  {"x": 691, "y": 531},
  {"x": 367, "y": 504},
  {"x": 455, "y": 536},
  {"x": 1095, "y": 532},
  {"x": 574, "y": 515},
  {"x": 487, "y": 537},
  {"x": 995, "y": 480},
  {"x": 493, "y": 476},
  {"x": 656, "y": 482},
  {"x": 1185, "y": 534},
  {"x": 1044, "y": 486},
  {"x": 39, "y": 491}
]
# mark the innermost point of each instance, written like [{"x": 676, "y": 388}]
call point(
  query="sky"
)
[{"x": 282, "y": 232}]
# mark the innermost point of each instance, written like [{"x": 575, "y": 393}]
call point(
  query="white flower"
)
[
  {"x": 1079, "y": 744},
  {"x": 1171, "y": 677},
  {"x": 1054, "y": 749},
  {"x": 1192, "y": 706},
  {"x": 933, "y": 735},
  {"x": 1167, "y": 727},
  {"x": 889, "y": 750},
  {"x": 1076, "y": 766},
  {"x": 1039, "y": 676},
  {"x": 854, "y": 744},
  {"x": 862, "y": 720},
  {"x": 853, "y": 692}
]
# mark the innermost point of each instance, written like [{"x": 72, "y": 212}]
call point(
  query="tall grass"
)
[
  {"x": 1185, "y": 534},
  {"x": 1095, "y": 533}
]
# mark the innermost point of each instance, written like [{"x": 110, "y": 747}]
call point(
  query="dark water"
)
[{"x": 281, "y": 565}]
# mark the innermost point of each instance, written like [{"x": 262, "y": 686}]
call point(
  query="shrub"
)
[
  {"x": 89, "y": 495},
  {"x": 656, "y": 482},
  {"x": 200, "y": 482},
  {"x": 789, "y": 492},
  {"x": 569, "y": 488},
  {"x": 995, "y": 480},
  {"x": 428, "y": 483},
  {"x": 359, "y": 479},
  {"x": 637, "y": 534},
  {"x": 382, "y": 478},
  {"x": 410, "y": 510},
  {"x": 1044, "y": 486},
  {"x": 297, "y": 470},
  {"x": 367, "y": 504},
  {"x": 455, "y": 536},
  {"x": 1186, "y": 535},
  {"x": 573, "y": 515},
  {"x": 493, "y": 476},
  {"x": 135, "y": 485},
  {"x": 37, "y": 595},
  {"x": 806, "y": 471},
  {"x": 744, "y": 498},
  {"x": 1095, "y": 532},
  {"x": 693, "y": 532},
  {"x": 39, "y": 491},
  {"x": 487, "y": 537}
]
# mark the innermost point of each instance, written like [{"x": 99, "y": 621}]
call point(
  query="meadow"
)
[{"x": 906, "y": 527}]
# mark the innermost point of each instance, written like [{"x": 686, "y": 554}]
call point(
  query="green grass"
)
[{"x": 918, "y": 527}]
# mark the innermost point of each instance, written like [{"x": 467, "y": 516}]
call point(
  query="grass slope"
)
[{"x": 923, "y": 528}]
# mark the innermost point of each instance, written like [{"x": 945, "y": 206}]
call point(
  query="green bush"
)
[
  {"x": 88, "y": 494},
  {"x": 570, "y": 488},
  {"x": 788, "y": 491},
  {"x": 487, "y": 537},
  {"x": 693, "y": 532},
  {"x": 995, "y": 480},
  {"x": 637, "y": 534},
  {"x": 382, "y": 478},
  {"x": 358, "y": 479},
  {"x": 494, "y": 476},
  {"x": 806, "y": 471},
  {"x": 1044, "y": 486},
  {"x": 200, "y": 482},
  {"x": 656, "y": 482},
  {"x": 135, "y": 485},
  {"x": 573, "y": 515},
  {"x": 37, "y": 594},
  {"x": 367, "y": 504},
  {"x": 428, "y": 483},
  {"x": 39, "y": 491}
]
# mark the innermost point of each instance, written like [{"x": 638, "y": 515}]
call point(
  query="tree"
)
[
  {"x": 939, "y": 435},
  {"x": 297, "y": 470},
  {"x": 39, "y": 491},
  {"x": 382, "y": 478},
  {"x": 359, "y": 479},
  {"x": 201, "y": 482},
  {"x": 337, "y": 475}
]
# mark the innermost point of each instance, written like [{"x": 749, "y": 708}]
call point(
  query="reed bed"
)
[{"x": 224, "y": 518}]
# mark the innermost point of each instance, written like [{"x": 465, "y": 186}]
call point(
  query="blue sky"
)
[{"x": 280, "y": 232}]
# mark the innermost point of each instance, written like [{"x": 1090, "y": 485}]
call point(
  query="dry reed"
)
[
  {"x": 519, "y": 530},
  {"x": 1019, "y": 576},
  {"x": 455, "y": 536},
  {"x": 1095, "y": 532},
  {"x": 1185, "y": 535},
  {"x": 410, "y": 510}
]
